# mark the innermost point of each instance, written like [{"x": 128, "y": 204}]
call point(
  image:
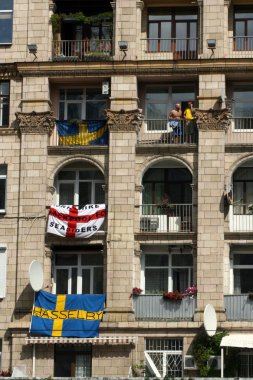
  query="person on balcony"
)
[
  {"x": 190, "y": 123},
  {"x": 174, "y": 117}
]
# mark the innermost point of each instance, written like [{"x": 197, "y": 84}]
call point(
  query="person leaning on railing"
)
[
  {"x": 175, "y": 122},
  {"x": 190, "y": 123}
]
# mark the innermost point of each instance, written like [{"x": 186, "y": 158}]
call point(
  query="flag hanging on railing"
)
[
  {"x": 71, "y": 315},
  {"x": 69, "y": 221},
  {"x": 82, "y": 133}
]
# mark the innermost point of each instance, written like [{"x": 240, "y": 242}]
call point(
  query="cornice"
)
[
  {"x": 8, "y": 131},
  {"x": 73, "y": 150},
  {"x": 122, "y": 120}
]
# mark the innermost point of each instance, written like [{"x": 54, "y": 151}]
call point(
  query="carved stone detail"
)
[
  {"x": 213, "y": 119},
  {"x": 51, "y": 189},
  {"x": 35, "y": 122},
  {"x": 139, "y": 188},
  {"x": 124, "y": 120}
]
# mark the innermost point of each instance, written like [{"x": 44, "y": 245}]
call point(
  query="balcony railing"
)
[
  {"x": 240, "y": 131},
  {"x": 169, "y": 48},
  {"x": 155, "y": 307},
  {"x": 81, "y": 50},
  {"x": 162, "y": 131},
  {"x": 87, "y": 132},
  {"x": 173, "y": 218},
  {"x": 241, "y": 47},
  {"x": 238, "y": 307},
  {"x": 240, "y": 218}
]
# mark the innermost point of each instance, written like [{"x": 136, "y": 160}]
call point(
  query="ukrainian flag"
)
[
  {"x": 72, "y": 315},
  {"x": 83, "y": 133}
]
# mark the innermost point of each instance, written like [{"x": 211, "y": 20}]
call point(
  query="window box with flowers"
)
[
  {"x": 173, "y": 296},
  {"x": 136, "y": 291},
  {"x": 191, "y": 291}
]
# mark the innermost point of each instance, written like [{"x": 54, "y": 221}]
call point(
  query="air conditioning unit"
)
[
  {"x": 214, "y": 362},
  {"x": 149, "y": 223},
  {"x": 189, "y": 362}
]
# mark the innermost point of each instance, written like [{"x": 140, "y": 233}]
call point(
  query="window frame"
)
[
  {"x": 242, "y": 123},
  {"x": 238, "y": 267},
  {"x": 4, "y": 98},
  {"x": 3, "y": 271},
  {"x": 79, "y": 267},
  {"x": 4, "y": 177},
  {"x": 10, "y": 12},
  {"x": 246, "y": 38},
  {"x": 169, "y": 268}
]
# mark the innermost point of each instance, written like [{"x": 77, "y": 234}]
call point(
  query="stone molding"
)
[
  {"x": 8, "y": 131},
  {"x": 35, "y": 122},
  {"x": 124, "y": 121},
  {"x": 140, "y": 4},
  {"x": 139, "y": 188},
  {"x": 51, "y": 189},
  {"x": 213, "y": 119}
]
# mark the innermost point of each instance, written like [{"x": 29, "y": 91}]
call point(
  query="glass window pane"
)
[
  {"x": 74, "y": 111},
  {"x": 243, "y": 259},
  {"x": 92, "y": 259},
  {"x": 5, "y": 28},
  {"x": 86, "y": 281},
  {"x": 94, "y": 94},
  {"x": 75, "y": 94},
  {"x": 73, "y": 280},
  {"x": 2, "y": 194},
  {"x": 99, "y": 193},
  {"x": 182, "y": 260},
  {"x": 65, "y": 260},
  {"x": 6, "y": 5},
  {"x": 3, "y": 170},
  {"x": 181, "y": 31},
  {"x": 66, "y": 194},
  {"x": 61, "y": 111},
  {"x": 156, "y": 280},
  {"x": 153, "y": 30},
  {"x": 90, "y": 174},
  {"x": 98, "y": 281},
  {"x": 4, "y": 88},
  {"x": 243, "y": 281},
  {"x": 95, "y": 110},
  {"x": 159, "y": 17},
  {"x": 156, "y": 260},
  {"x": 157, "y": 111},
  {"x": 61, "y": 281},
  {"x": 67, "y": 174},
  {"x": 243, "y": 174},
  {"x": 180, "y": 279},
  {"x": 85, "y": 196}
]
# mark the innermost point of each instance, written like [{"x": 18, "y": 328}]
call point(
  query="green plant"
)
[{"x": 203, "y": 347}]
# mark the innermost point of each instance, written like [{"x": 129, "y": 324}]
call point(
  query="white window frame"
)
[
  {"x": 8, "y": 11},
  {"x": 233, "y": 266},
  {"x": 76, "y": 182},
  {"x": 4, "y": 177},
  {"x": 79, "y": 268},
  {"x": 3, "y": 271},
  {"x": 169, "y": 267},
  {"x": 240, "y": 130}
]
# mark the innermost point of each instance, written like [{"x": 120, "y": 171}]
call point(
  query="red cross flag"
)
[{"x": 69, "y": 221}]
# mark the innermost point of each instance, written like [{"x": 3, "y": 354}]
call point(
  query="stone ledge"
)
[{"x": 71, "y": 150}]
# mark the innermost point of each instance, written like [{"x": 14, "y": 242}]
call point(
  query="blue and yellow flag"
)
[
  {"x": 71, "y": 315},
  {"x": 83, "y": 133}
]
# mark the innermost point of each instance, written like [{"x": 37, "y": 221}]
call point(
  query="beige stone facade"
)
[{"x": 147, "y": 55}]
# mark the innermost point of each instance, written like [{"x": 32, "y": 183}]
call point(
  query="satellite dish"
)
[
  {"x": 36, "y": 275},
  {"x": 210, "y": 320}
]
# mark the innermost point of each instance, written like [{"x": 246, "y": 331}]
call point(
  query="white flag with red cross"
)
[{"x": 69, "y": 221}]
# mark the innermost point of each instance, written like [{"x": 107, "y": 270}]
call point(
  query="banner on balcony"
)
[
  {"x": 72, "y": 315},
  {"x": 68, "y": 221},
  {"x": 83, "y": 133}
]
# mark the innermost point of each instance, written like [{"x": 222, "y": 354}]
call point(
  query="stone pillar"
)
[
  {"x": 212, "y": 126},
  {"x": 123, "y": 127}
]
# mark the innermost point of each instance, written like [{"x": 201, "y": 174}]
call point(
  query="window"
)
[
  {"x": 4, "y": 102},
  {"x": 242, "y": 107},
  {"x": 243, "y": 29},
  {"x": 80, "y": 187},
  {"x": 3, "y": 175},
  {"x": 6, "y": 16},
  {"x": 243, "y": 190},
  {"x": 243, "y": 272},
  {"x": 163, "y": 358},
  {"x": 167, "y": 272},
  {"x": 174, "y": 31},
  {"x": 72, "y": 361},
  {"x": 3, "y": 269},
  {"x": 78, "y": 273},
  {"x": 82, "y": 104},
  {"x": 160, "y": 99},
  {"x": 246, "y": 364}
]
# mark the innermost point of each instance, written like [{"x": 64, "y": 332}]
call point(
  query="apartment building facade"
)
[{"x": 124, "y": 65}]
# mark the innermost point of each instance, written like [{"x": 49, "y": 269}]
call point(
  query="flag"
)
[
  {"x": 68, "y": 221},
  {"x": 83, "y": 133},
  {"x": 71, "y": 315}
]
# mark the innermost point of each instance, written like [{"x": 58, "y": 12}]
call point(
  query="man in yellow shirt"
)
[{"x": 190, "y": 123}]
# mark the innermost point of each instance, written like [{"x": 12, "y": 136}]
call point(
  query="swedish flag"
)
[
  {"x": 82, "y": 133},
  {"x": 71, "y": 315}
]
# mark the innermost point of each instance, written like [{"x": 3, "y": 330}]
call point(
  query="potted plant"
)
[
  {"x": 136, "y": 291},
  {"x": 173, "y": 296},
  {"x": 191, "y": 291},
  {"x": 138, "y": 369}
]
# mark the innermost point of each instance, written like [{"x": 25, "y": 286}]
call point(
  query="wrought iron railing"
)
[
  {"x": 155, "y": 307},
  {"x": 172, "y": 218},
  {"x": 169, "y": 48},
  {"x": 162, "y": 131},
  {"x": 81, "y": 50}
]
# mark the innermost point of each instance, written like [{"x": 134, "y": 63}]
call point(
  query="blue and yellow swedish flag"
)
[
  {"x": 83, "y": 133},
  {"x": 72, "y": 315}
]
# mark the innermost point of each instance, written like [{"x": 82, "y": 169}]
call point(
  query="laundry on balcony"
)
[{"x": 82, "y": 132}]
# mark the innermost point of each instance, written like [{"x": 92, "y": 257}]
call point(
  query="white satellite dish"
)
[
  {"x": 210, "y": 320},
  {"x": 36, "y": 275}
]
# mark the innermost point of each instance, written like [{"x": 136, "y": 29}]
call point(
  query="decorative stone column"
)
[
  {"x": 212, "y": 126},
  {"x": 123, "y": 127}
]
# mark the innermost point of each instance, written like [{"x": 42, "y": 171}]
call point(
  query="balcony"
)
[
  {"x": 238, "y": 307},
  {"x": 160, "y": 131},
  {"x": 83, "y": 133},
  {"x": 169, "y": 49},
  {"x": 82, "y": 50},
  {"x": 155, "y": 307},
  {"x": 174, "y": 218},
  {"x": 240, "y": 131},
  {"x": 241, "y": 47},
  {"x": 240, "y": 218}
]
